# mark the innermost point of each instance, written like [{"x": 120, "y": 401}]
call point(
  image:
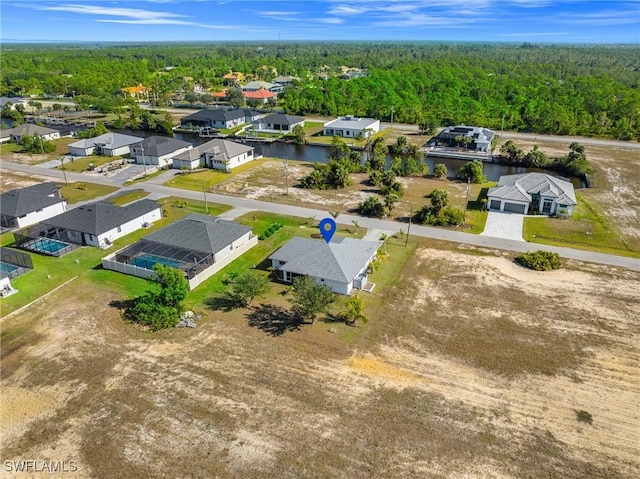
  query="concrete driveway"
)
[{"x": 504, "y": 225}]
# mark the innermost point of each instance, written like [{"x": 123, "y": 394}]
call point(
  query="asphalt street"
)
[{"x": 246, "y": 205}]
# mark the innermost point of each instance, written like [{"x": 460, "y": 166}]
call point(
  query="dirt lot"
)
[{"x": 470, "y": 366}]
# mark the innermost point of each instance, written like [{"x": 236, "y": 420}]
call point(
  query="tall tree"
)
[{"x": 310, "y": 299}]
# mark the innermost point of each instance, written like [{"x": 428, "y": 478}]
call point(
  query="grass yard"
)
[
  {"x": 210, "y": 177},
  {"x": 82, "y": 191},
  {"x": 50, "y": 272},
  {"x": 10, "y": 147},
  {"x": 128, "y": 197},
  {"x": 587, "y": 229}
]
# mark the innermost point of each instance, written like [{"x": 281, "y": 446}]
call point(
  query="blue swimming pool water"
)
[
  {"x": 148, "y": 261},
  {"x": 7, "y": 267},
  {"x": 48, "y": 245}
]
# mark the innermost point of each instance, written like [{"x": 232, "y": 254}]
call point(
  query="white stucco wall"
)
[
  {"x": 106, "y": 239},
  {"x": 43, "y": 214}
]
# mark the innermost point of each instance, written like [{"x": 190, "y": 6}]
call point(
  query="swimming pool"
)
[
  {"x": 148, "y": 261},
  {"x": 48, "y": 245},
  {"x": 7, "y": 268}
]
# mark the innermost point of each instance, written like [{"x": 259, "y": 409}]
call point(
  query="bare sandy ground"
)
[{"x": 229, "y": 400}]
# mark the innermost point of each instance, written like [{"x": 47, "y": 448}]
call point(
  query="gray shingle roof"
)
[
  {"x": 32, "y": 130},
  {"x": 339, "y": 260},
  {"x": 108, "y": 140},
  {"x": 205, "y": 234},
  {"x": 521, "y": 187},
  {"x": 20, "y": 202},
  {"x": 228, "y": 148},
  {"x": 100, "y": 217},
  {"x": 281, "y": 119},
  {"x": 162, "y": 145}
]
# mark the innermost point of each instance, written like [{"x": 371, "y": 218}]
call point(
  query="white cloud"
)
[
  {"x": 331, "y": 20},
  {"x": 133, "y": 13}
]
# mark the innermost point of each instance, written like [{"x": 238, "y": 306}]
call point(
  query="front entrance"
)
[{"x": 546, "y": 207}]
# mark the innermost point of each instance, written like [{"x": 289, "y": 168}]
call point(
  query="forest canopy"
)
[{"x": 554, "y": 89}]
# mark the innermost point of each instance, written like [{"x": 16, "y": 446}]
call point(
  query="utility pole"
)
[
  {"x": 392, "y": 110},
  {"x": 204, "y": 193},
  {"x": 466, "y": 201},
  {"x": 64, "y": 173},
  {"x": 406, "y": 241},
  {"x": 286, "y": 177},
  {"x": 502, "y": 128}
]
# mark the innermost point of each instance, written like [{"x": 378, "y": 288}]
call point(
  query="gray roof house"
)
[
  {"x": 96, "y": 224},
  {"x": 351, "y": 127},
  {"x": 158, "y": 150},
  {"x": 27, "y": 206},
  {"x": 341, "y": 264},
  {"x": 545, "y": 194},
  {"x": 33, "y": 130},
  {"x": 218, "y": 154},
  {"x": 479, "y": 138},
  {"x": 222, "y": 119},
  {"x": 278, "y": 123},
  {"x": 109, "y": 144},
  {"x": 199, "y": 245}
]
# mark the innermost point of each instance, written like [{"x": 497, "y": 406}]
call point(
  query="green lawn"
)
[
  {"x": 50, "y": 272},
  {"x": 10, "y": 147},
  {"x": 587, "y": 229},
  {"x": 81, "y": 191},
  {"x": 207, "y": 178},
  {"x": 128, "y": 197}
]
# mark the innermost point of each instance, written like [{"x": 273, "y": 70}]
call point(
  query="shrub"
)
[
  {"x": 540, "y": 260},
  {"x": 372, "y": 206},
  {"x": 584, "y": 416}
]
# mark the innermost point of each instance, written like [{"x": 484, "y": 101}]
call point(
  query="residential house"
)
[
  {"x": 109, "y": 144},
  {"x": 30, "y": 129},
  {"x": 220, "y": 119},
  {"x": 199, "y": 245},
  {"x": 278, "y": 123},
  {"x": 12, "y": 102},
  {"x": 473, "y": 138},
  {"x": 263, "y": 85},
  {"x": 260, "y": 96},
  {"x": 158, "y": 150},
  {"x": 351, "y": 127},
  {"x": 30, "y": 205},
  {"x": 533, "y": 192},
  {"x": 285, "y": 80},
  {"x": 96, "y": 224},
  {"x": 342, "y": 264},
  {"x": 218, "y": 154},
  {"x": 139, "y": 92}
]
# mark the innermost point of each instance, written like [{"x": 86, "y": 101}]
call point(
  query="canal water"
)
[{"x": 319, "y": 154}]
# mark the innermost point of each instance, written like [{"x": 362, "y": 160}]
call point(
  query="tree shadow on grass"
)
[
  {"x": 121, "y": 304},
  {"x": 273, "y": 320},
  {"x": 224, "y": 303}
]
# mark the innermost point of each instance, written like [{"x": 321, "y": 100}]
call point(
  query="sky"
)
[{"x": 535, "y": 21}]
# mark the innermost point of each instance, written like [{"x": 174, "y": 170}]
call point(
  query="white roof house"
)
[
  {"x": 341, "y": 264},
  {"x": 548, "y": 195},
  {"x": 218, "y": 154},
  {"x": 109, "y": 144},
  {"x": 351, "y": 127}
]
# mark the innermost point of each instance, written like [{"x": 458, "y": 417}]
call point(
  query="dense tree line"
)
[{"x": 585, "y": 90}]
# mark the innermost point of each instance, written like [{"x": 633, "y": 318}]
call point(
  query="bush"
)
[
  {"x": 540, "y": 260},
  {"x": 372, "y": 206},
  {"x": 584, "y": 416},
  {"x": 270, "y": 231}
]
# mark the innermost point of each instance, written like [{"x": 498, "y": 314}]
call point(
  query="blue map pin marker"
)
[{"x": 327, "y": 228}]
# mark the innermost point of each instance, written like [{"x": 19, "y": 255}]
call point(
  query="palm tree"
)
[
  {"x": 384, "y": 238},
  {"x": 355, "y": 310},
  {"x": 335, "y": 214}
]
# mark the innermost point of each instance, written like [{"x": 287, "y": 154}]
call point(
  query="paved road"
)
[{"x": 370, "y": 223}]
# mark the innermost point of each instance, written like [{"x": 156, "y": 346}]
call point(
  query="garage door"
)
[
  {"x": 495, "y": 204},
  {"x": 514, "y": 208}
]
